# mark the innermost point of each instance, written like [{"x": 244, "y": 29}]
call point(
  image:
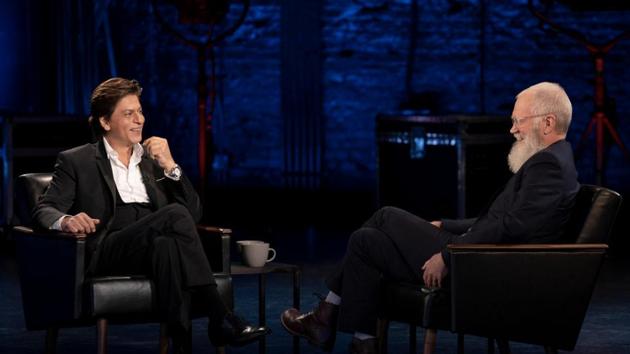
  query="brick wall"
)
[{"x": 471, "y": 57}]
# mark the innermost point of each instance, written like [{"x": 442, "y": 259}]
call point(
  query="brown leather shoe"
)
[
  {"x": 366, "y": 346},
  {"x": 319, "y": 326}
]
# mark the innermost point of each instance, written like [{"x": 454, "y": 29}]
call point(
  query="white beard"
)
[{"x": 523, "y": 149}]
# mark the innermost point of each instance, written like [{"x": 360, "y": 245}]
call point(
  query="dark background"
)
[{"x": 320, "y": 68}]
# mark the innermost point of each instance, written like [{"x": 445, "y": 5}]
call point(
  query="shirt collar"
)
[{"x": 136, "y": 155}]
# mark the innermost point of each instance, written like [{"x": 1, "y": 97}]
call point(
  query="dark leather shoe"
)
[
  {"x": 319, "y": 326},
  {"x": 366, "y": 346},
  {"x": 234, "y": 331}
]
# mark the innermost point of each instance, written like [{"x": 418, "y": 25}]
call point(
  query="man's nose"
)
[
  {"x": 139, "y": 118},
  {"x": 513, "y": 129}
]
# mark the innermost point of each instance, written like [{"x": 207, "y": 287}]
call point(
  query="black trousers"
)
[
  {"x": 393, "y": 244},
  {"x": 165, "y": 246}
]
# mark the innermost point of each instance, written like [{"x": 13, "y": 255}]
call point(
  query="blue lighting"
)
[{"x": 9, "y": 50}]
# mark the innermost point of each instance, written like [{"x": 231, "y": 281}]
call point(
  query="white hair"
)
[{"x": 549, "y": 97}]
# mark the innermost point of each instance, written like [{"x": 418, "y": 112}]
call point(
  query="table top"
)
[{"x": 271, "y": 267}]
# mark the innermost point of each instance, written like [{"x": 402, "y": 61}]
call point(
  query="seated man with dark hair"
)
[
  {"x": 140, "y": 212},
  {"x": 533, "y": 207}
]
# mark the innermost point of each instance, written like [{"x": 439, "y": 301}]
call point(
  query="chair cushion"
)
[
  {"x": 118, "y": 296},
  {"x": 129, "y": 296}
]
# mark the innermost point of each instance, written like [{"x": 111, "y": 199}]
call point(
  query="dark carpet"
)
[{"x": 606, "y": 328}]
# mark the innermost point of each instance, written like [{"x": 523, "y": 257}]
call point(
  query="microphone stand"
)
[
  {"x": 599, "y": 119},
  {"x": 205, "y": 109}
]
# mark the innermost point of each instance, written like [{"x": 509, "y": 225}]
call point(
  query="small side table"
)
[{"x": 271, "y": 267}]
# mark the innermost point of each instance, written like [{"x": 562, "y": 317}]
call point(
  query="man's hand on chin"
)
[
  {"x": 158, "y": 149},
  {"x": 434, "y": 271}
]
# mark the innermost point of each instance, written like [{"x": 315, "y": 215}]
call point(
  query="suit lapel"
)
[
  {"x": 146, "y": 169},
  {"x": 105, "y": 168}
]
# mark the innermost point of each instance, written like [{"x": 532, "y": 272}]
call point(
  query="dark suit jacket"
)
[
  {"x": 83, "y": 182},
  {"x": 534, "y": 206}
]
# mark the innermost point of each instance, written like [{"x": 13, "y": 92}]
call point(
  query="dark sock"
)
[{"x": 213, "y": 303}]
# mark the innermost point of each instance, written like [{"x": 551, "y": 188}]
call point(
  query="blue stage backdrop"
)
[{"x": 330, "y": 68}]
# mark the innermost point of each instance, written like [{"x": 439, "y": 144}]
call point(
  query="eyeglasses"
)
[{"x": 519, "y": 121}]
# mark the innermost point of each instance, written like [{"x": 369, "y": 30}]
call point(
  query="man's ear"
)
[
  {"x": 549, "y": 123},
  {"x": 104, "y": 123}
]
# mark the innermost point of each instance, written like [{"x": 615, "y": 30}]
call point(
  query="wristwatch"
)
[{"x": 174, "y": 173}]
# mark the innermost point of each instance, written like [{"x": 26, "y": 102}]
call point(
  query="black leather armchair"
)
[
  {"x": 56, "y": 292},
  {"x": 535, "y": 293}
]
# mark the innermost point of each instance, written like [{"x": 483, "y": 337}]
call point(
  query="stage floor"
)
[{"x": 606, "y": 329}]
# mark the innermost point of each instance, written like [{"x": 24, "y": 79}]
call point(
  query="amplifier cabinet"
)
[{"x": 441, "y": 166}]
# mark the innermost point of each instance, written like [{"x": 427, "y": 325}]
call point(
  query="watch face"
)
[{"x": 176, "y": 172}]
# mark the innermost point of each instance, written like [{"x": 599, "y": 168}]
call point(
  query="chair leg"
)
[
  {"x": 430, "y": 336},
  {"x": 382, "y": 331},
  {"x": 504, "y": 346},
  {"x": 490, "y": 346},
  {"x": 50, "y": 346},
  {"x": 163, "y": 338},
  {"x": 412, "y": 339},
  {"x": 460, "y": 343},
  {"x": 101, "y": 336},
  {"x": 551, "y": 350}
]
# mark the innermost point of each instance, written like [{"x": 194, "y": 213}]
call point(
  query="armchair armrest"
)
[
  {"x": 532, "y": 293},
  {"x": 533, "y": 247},
  {"x": 216, "y": 244},
  {"x": 51, "y": 266},
  {"x": 48, "y": 234}
]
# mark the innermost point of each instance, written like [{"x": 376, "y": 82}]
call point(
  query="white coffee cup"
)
[
  {"x": 256, "y": 254},
  {"x": 246, "y": 242}
]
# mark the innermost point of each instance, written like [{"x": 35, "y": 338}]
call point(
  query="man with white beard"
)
[
  {"x": 528, "y": 144},
  {"x": 533, "y": 207}
]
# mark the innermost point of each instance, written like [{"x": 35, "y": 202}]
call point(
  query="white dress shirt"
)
[{"x": 128, "y": 180}]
